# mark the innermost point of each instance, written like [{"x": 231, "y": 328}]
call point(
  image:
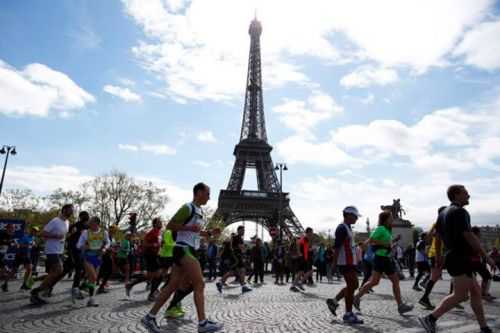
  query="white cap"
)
[{"x": 352, "y": 210}]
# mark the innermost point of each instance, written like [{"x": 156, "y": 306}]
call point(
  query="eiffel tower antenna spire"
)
[{"x": 268, "y": 205}]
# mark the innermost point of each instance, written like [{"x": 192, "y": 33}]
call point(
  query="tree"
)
[
  {"x": 113, "y": 196},
  {"x": 60, "y": 197},
  {"x": 19, "y": 199}
]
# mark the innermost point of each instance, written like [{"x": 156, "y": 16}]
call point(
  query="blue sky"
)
[{"x": 365, "y": 102}]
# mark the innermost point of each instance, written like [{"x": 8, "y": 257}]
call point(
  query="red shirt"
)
[
  {"x": 153, "y": 240},
  {"x": 304, "y": 247}
]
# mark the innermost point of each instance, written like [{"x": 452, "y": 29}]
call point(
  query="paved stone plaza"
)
[{"x": 268, "y": 308}]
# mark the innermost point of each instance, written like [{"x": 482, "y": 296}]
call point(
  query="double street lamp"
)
[
  {"x": 280, "y": 167},
  {"x": 6, "y": 150}
]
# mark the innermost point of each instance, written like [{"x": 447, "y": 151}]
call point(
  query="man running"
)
[
  {"x": 6, "y": 241},
  {"x": 422, "y": 263},
  {"x": 305, "y": 268},
  {"x": 436, "y": 267},
  {"x": 455, "y": 230},
  {"x": 122, "y": 256},
  {"x": 74, "y": 260},
  {"x": 186, "y": 266},
  {"x": 152, "y": 243},
  {"x": 238, "y": 248},
  {"x": 23, "y": 256},
  {"x": 93, "y": 243},
  {"x": 344, "y": 257},
  {"x": 54, "y": 233}
]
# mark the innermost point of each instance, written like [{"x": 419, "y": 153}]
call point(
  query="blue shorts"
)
[{"x": 95, "y": 261}]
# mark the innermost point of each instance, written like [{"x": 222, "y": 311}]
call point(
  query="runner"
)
[
  {"x": 304, "y": 270},
  {"x": 23, "y": 257},
  {"x": 436, "y": 267},
  {"x": 6, "y": 241},
  {"x": 186, "y": 266},
  {"x": 151, "y": 247},
  {"x": 74, "y": 259},
  {"x": 422, "y": 263},
  {"x": 93, "y": 243},
  {"x": 344, "y": 257},
  {"x": 479, "y": 267},
  {"x": 454, "y": 229},
  {"x": 54, "y": 233},
  {"x": 381, "y": 240},
  {"x": 238, "y": 248},
  {"x": 122, "y": 256}
]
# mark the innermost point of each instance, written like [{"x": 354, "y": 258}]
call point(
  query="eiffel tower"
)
[{"x": 268, "y": 204}]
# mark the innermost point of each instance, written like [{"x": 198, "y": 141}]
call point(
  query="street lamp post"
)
[
  {"x": 281, "y": 167},
  {"x": 6, "y": 150}
]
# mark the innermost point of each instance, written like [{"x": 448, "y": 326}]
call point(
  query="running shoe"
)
[
  {"x": 92, "y": 303},
  {"x": 332, "y": 305},
  {"x": 294, "y": 289},
  {"x": 174, "y": 313},
  {"x": 426, "y": 303},
  {"x": 37, "y": 300},
  {"x": 486, "y": 329},
  {"x": 5, "y": 288},
  {"x": 356, "y": 302},
  {"x": 351, "y": 318},
  {"x": 102, "y": 291},
  {"x": 245, "y": 289},
  {"x": 488, "y": 298},
  {"x": 417, "y": 288},
  {"x": 301, "y": 287},
  {"x": 404, "y": 308},
  {"x": 150, "y": 324},
  {"x": 128, "y": 289},
  {"x": 209, "y": 326},
  {"x": 219, "y": 287},
  {"x": 427, "y": 324}
]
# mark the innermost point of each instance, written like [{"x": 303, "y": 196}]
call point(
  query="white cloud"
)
[
  {"x": 480, "y": 47},
  {"x": 297, "y": 149},
  {"x": 45, "y": 179},
  {"x": 126, "y": 82},
  {"x": 201, "y": 52},
  {"x": 367, "y": 76},
  {"x": 37, "y": 90},
  {"x": 206, "y": 136},
  {"x": 303, "y": 116},
  {"x": 156, "y": 149},
  {"x": 123, "y": 93}
]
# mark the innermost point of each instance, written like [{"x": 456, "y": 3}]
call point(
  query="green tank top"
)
[{"x": 167, "y": 244}]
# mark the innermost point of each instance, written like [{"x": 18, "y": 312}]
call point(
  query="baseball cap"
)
[{"x": 352, "y": 210}]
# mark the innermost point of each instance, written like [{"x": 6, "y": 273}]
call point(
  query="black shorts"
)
[
  {"x": 239, "y": 263},
  {"x": 54, "y": 261},
  {"x": 481, "y": 269},
  {"x": 457, "y": 265},
  {"x": 182, "y": 251},
  {"x": 305, "y": 265},
  {"x": 22, "y": 260},
  {"x": 345, "y": 269},
  {"x": 383, "y": 265},
  {"x": 120, "y": 262},
  {"x": 2, "y": 262},
  {"x": 166, "y": 262},
  {"x": 152, "y": 263},
  {"x": 423, "y": 266}
]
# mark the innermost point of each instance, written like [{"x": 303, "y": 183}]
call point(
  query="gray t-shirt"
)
[{"x": 56, "y": 226}]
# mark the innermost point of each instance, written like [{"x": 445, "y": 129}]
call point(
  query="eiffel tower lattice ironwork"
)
[{"x": 253, "y": 151}]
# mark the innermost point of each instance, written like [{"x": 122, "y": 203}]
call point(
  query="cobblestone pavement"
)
[{"x": 268, "y": 308}]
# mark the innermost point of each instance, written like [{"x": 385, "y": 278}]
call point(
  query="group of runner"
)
[{"x": 170, "y": 258}]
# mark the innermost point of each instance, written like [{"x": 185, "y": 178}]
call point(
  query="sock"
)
[
  {"x": 91, "y": 289},
  {"x": 428, "y": 289},
  {"x": 179, "y": 296}
]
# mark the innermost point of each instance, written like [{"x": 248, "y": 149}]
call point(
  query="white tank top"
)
[{"x": 189, "y": 237}]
